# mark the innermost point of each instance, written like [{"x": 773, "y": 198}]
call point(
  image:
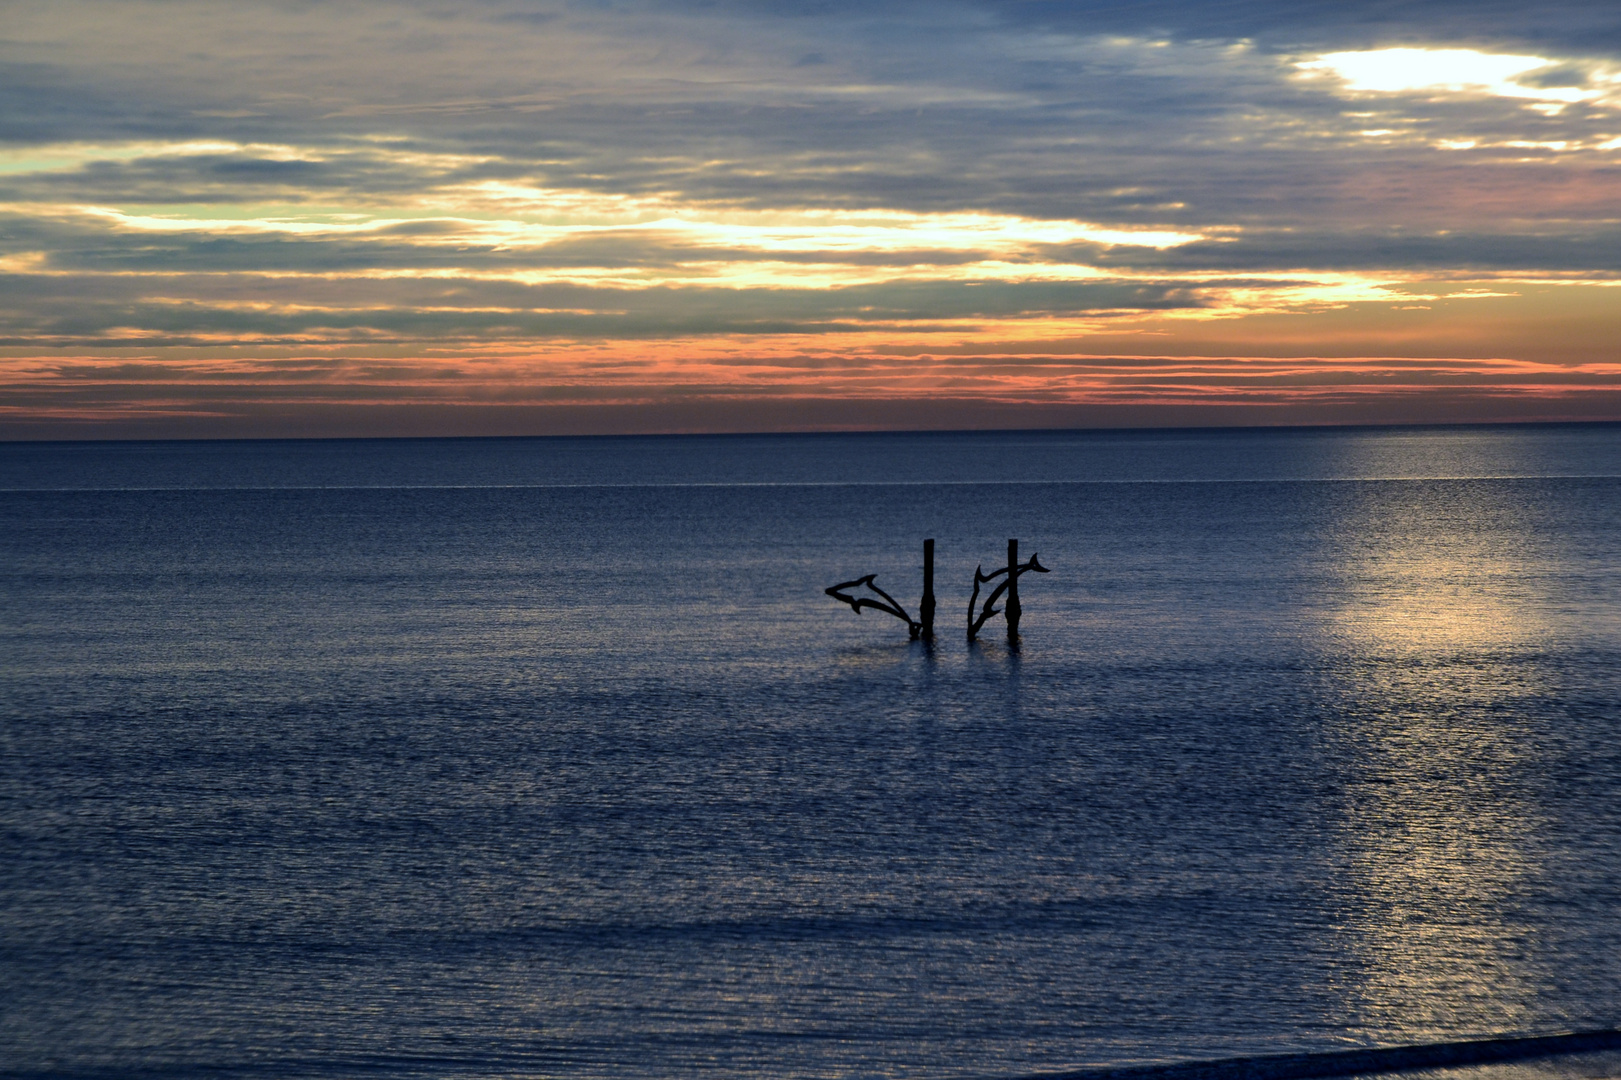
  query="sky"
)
[{"x": 505, "y": 217}]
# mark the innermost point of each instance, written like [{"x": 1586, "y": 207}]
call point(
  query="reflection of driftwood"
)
[
  {"x": 1010, "y": 585},
  {"x": 888, "y": 604}
]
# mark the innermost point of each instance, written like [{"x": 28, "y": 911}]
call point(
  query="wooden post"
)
[
  {"x": 926, "y": 606},
  {"x": 1012, "y": 602}
]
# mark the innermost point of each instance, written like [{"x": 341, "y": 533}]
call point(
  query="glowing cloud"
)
[
  {"x": 1458, "y": 71},
  {"x": 222, "y": 211}
]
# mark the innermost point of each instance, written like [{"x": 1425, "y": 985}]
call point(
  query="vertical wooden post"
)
[
  {"x": 926, "y": 606},
  {"x": 1012, "y": 602}
]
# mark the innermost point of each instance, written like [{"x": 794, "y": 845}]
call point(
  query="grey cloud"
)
[
  {"x": 138, "y": 310},
  {"x": 1354, "y": 23},
  {"x": 1563, "y": 75},
  {"x": 957, "y": 107},
  {"x": 1585, "y": 249},
  {"x": 1015, "y": 107},
  {"x": 75, "y": 244}
]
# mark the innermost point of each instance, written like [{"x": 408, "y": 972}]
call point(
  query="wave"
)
[{"x": 1359, "y": 1062}]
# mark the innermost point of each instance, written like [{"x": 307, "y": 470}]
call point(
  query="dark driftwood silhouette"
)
[
  {"x": 888, "y": 604},
  {"x": 926, "y": 606},
  {"x": 921, "y": 627},
  {"x": 1010, "y": 586}
]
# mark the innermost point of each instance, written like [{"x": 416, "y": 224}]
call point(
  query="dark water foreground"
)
[{"x": 550, "y": 758}]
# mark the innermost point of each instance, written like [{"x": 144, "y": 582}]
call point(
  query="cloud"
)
[
  {"x": 1546, "y": 85},
  {"x": 652, "y": 181}
]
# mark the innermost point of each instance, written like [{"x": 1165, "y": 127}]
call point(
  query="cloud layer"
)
[{"x": 498, "y": 216}]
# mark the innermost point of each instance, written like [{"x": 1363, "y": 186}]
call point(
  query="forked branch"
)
[
  {"x": 981, "y": 578},
  {"x": 889, "y": 605}
]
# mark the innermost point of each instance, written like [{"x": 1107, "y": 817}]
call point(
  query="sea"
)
[{"x": 552, "y": 758}]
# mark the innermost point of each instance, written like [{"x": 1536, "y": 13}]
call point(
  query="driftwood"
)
[
  {"x": 889, "y": 605},
  {"x": 1010, "y": 586},
  {"x": 921, "y": 627}
]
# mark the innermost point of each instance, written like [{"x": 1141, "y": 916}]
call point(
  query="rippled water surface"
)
[{"x": 549, "y": 757}]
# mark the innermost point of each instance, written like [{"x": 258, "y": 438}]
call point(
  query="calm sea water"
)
[{"x": 550, "y": 758}]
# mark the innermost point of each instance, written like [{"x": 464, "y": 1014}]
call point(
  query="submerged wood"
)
[
  {"x": 1011, "y": 604},
  {"x": 926, "y": 605},
  {"x": 889, "y": 605},
  {"x": 981, "y": 578}
]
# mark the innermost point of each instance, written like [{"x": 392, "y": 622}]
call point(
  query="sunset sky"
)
[{"x": 510, "y": 217}]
